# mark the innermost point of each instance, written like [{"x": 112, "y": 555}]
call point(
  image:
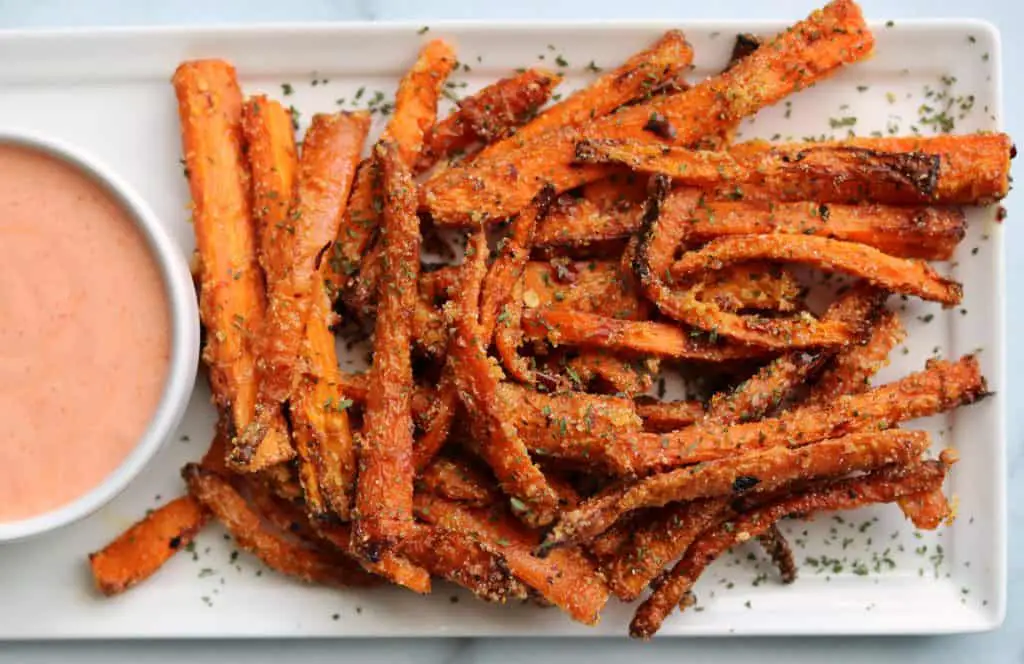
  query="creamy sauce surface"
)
[{"x": 84, "y": 333}]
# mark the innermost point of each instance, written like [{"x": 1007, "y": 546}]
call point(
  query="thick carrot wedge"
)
[
  {"x": 141, "y": 550},
  {"x": 384, "y": 486},
  {"x": 231, "y": 297},
  {"x": 414, "y": 114},
  {"x": 488, "y": 115},
  {"x": 758, "y": 471},
  {"x": 495, "y": 183},
  {"x": 307, "y": 564},
  {"x": 476, "y": 378},
  {"x": 802, "y": 55},
  {"x": 566, "y": 578},
  {"x": 881, "y": 487}
]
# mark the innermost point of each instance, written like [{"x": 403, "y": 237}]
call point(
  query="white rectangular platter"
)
[{"x": 108, "y": 92}]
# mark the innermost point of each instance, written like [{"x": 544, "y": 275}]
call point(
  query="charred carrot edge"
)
[
  {"x": 880, "y": 487},
  {"x": 611, "y": 373},
  {"x": 940, "y": 387},
  {"x": 664, "y": 416},
  {"x": 658, "y": 540},
  {"x": 140, "y": 551},
  {"x": 778, "y": 549},
  {"x": 852, "y": 368},
  {"x": 897, "y": 275},
  {"x": 566, "y": 579},
  {"x": 751, "y": 286},
  {"x": 758, "y": 471},
  {"x": 231, "y": 304},
  {"x": 571, "y": 328},
  {"x": 414, "y": 114},
  {"x": 508, "y": 267},
  {"x": 456, "y": 479},
  {"x": 796, "y": 58},
  {"x": 930, "y": 233},
  {"x": 548, "y": 140},
  {"x": 488, "y": 115},
  {"x": 464, "y": 561},
  {"x": 607, "y": 209},
  {"x": 500, "y": 446},
  {"x": 384, "y": 484},
  {"x": 391, "y": 565},
  {"x": 245, "y": 525}
]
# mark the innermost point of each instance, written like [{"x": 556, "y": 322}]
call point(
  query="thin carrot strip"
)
[
  {"x": 231, "y": 294},
  {"x": 385, "y": 479}
]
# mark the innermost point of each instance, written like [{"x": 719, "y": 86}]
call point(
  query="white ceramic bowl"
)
[{"x": 184, "y": 357}]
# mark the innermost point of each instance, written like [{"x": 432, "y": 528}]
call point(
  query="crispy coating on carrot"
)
[
  {"x": 659, "y": 538},
  {"x": 506, "y": 175},
  {"x": 439, "y": 422},
  {"x": 231, "y": 300},
  {"x": 391, "y": 566},
  {"x": 508, "y": 337},
  {"x": 756, "y": 471},
  {"x": 414, "y": 114},
  {"x": 457, "y": 479},
  {"x": 664, "y": 416},
  {"x": 571, "y": 328},
  {"x": 586, "y": 286},
  {"x": 477, "y": 379},
  {"x": 488, "y": 115},
  {"x": 607, "y": 209},
  {"x": 311, "y": 565},
  {"x": 879, "y": 487},
  {"x": 754, "y": 285},
  {"x": 140, "y": 551},
  {"x": 906, "y": 231},
  {"x": 927, "y": 510},
  {"x": 567, "y": 578},
  {"x": 612, "y": 374},
  {"x": 384, "y": 484}
]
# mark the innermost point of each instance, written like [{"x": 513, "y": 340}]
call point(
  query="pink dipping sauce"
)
[{"x": 84, "y": 333}]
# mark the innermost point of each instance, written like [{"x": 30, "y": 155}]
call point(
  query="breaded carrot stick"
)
[
  {"x": 456, "y": 479},
  {"x": 475, "y": 377},
  {"x": 759, "y": 471},
  {"x": 927, "y": 510},
  {"x": 231, "y": 297},
  {"x": 612, "y": 374},
  {"x": 447, "y": 193},
  {"x": 607, "y": 209},
  {"x": 802, "y": 55},
  {"x": 753, "y": 285},
  {"x": 439, "y": 422},
  {"x": 391, "y": 566},
  {"x": 245, "y": 525},
  {"x": 143, "y": 549},
  {"x": 488, "y": 115},
  {"x": 384, "y": 486},
  {"x": 414, "y": 115},
  {"x": 572, "y": 328},
  {"x": 585, "y": 286},
  {"x": 880, "y": 487},
  {"x": 663, "y": 416},
  {"x": 566, "y": 578}
]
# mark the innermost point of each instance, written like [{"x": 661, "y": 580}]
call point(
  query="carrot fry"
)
[
  {"x": 439, "y": 422},
  {"x": 572, "y": 328},
  {"x": 385, "y": 478},
  {"x": 474, "y": 374},
  {"x": 777, "y": 547},
  {"x": 898, "y": 275},
  {"x": 586, "y": 286},
  {"x": 140, "y": 551},
  {"x": 455, "y": 479},
  {"x": 607, "y": 209},
  {"x": 414, "y": 114},
  {"x": 657, "y": 540},
  {"x": 231, "y": 297},
  {"x": 614, "y": 374},
  {"x": 509, "y": 336},
  {"x": 760, "y": 471},
  {"x": 904, "y": 231},
  {"x": 463, "y": 560},
  {"x": 753, "y": 285},
  {"x": 495, "y": 190},
  {"x": 391, "y": 565},
  {"x": 927, "y": 510},
  {"x": 489, "y": 115},
  {"x": 663, "y": 416},
  {"x": 879, "y": 487},
  {"x": 796, "y": 58},
  {"x": 245, "y": 525},
  {"x": 566, "y": 578}
]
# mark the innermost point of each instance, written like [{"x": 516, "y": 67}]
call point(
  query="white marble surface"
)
[{"x": 1004, "y": 645}]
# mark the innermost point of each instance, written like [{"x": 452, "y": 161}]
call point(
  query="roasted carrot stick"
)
[
  {"x": 607, "y": 209},
  {"x": 585, "y": 286},
  {"x": 611, "y": 373},
  {"x": 880, "y": 487},
  {"x": 391, "y": 566},
  {"x": 802, "y": 55},
  {"x": 447, "y": 193},
  {"x": 474, "y": 375},
  {"x": 458, "y": 480},
  {"x": 662, "y": 416},
  {"x": 231, "y": 297},
  {"x": 752, "y": 285},
  {"x": 384, "y": 488},
  {"x": 759, "y": 471},
  {"x": 566, "y": 578},
  {"x": 488, "y": 115}
]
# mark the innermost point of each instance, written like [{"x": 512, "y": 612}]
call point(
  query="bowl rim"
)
[{"x": 184, "y": 350}]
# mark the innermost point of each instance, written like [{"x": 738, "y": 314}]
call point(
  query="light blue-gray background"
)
[{"x": 1005, "y": 645}]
